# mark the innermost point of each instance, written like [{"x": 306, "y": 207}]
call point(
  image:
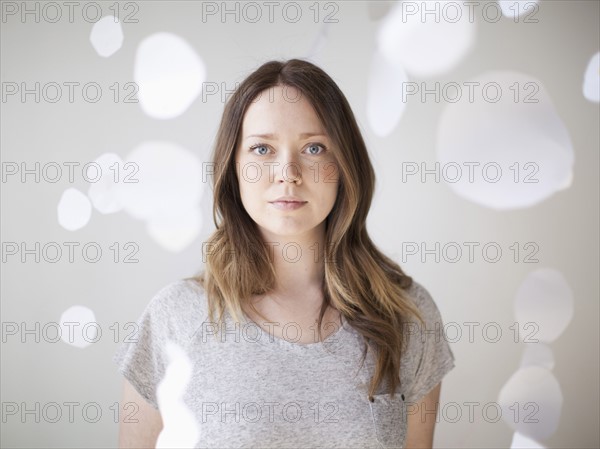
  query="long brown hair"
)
[{"x": 365, "y": 286}]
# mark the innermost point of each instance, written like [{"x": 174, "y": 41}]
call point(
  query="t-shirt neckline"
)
[{"x": 330, "y": 343}]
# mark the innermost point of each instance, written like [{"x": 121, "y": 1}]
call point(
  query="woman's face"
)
[{"x": 282, "y": 141}]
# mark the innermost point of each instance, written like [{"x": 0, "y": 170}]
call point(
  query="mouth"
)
[
  {"x": 288, "y": 205},
  {"x": 293, "y": 202}
]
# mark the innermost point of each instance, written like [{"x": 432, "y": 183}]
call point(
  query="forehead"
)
[{"x": 280, "y": 109}]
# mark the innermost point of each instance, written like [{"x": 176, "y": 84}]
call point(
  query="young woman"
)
[{"x": 320, "y": 339}]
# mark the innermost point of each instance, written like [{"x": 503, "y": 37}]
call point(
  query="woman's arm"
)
[
  {"x": 147, "y": 422},
  {"x": 420, "y": 425}
]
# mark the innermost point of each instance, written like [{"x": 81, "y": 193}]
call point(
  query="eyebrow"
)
[{"x": 274, "y": 136}]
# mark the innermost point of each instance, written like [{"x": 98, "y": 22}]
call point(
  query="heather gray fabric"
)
[{"x": 251, "y": 389}]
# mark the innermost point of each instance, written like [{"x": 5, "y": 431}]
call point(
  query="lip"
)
[
  {"x": 288, "y": 205},
  {"x": 289, "y": 198}
]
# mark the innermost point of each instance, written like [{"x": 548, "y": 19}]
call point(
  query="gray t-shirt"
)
[{"x": 251, "y": 389}]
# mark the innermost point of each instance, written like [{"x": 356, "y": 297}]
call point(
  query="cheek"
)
[
  {"x": 328, "y": 173},
  {"x": 252, "y": 187},
  {"x": 333, "y": 193},
  {"x": 329, "y": 177},
  {"x": 253, "y": 174}
]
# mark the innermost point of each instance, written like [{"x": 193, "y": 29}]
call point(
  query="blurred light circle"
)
[
  {"x": 74, "y": 209},
  {"x": 520, "y": 441},
  {"x": 180, "y": 427},
  {"x": 103, "y": 192},
  {"x": 175, "y": 231},
  {"x": 79, "y": 327},
  {"x": 169, "y": 75},
  {"x": 535, "y": 354},
  {"x": 567, "y": 183},
  {"x": 545, "y": 299},
  {"x": 107, "y": 36},
  {"x": 429, "y": 44},
  {"x": 385, "y": 102},
  {"x": 591, "y": 79},
  {"x": 507, "y": 124},
  {"x": 516, "y": 8},
  {"x": 534, "y": 393},
  {"x": 170, "y": 180}
]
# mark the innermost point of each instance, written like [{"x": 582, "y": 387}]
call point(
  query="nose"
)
[{"x": 289, "y": 169}]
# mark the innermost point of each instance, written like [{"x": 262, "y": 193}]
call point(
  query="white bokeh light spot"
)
[
  {"x": 170, "y": 180},
  {"x": 536, "y": 393},
  {"x": 79, "y": 327},
  {"x": 74, "y": 209},
  {"x": 520, "y": 441},
  {"x": 511, "y": 129},
  {"x": 536, "y": 354},
  {"x": 168, "y": 193},
  {"x": 545, "y": 299},
  {"x": 385, "y": 102},
  {"x": 169, "y": 75},
  {"x": 176, "y": 231},
  {"x": 103, "y": 192},
  {"x": 180, "y": 428},
  {"x": 107, "y": 36},
  {"x": 516, "y": 8},
  {"x": 427, "y": 45}
]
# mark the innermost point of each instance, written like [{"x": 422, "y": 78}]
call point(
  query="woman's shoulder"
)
[
  {"x": 423, "y": 299},
  {"x": 181, "y": 295}
]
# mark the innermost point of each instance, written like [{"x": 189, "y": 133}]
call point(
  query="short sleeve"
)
[
  {"x": 434, "y": 357},
  {"x": 142, "y": 358}
]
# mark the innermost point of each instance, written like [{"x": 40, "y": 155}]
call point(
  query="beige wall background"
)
[{"x": 555, "y": 50}]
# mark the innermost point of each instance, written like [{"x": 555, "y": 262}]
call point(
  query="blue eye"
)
[
  {"x": 252, "y": 148},
  {"x": 312, "y": 145},
  {"x": 315, "y": 145}
]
